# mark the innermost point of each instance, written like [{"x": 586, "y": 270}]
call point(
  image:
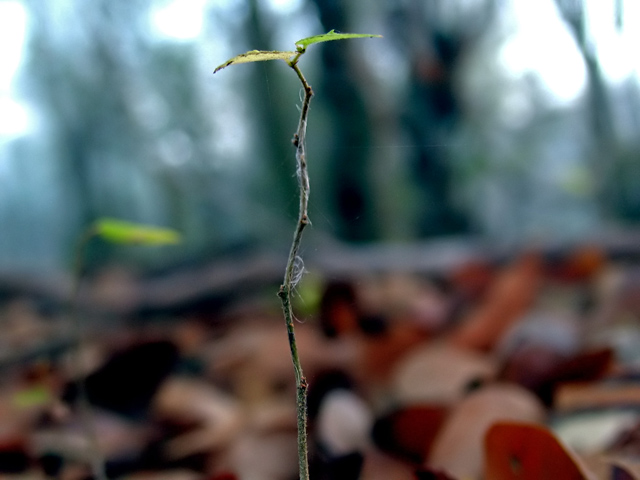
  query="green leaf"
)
[
  {"x": 332, "y": 35},
  {"x": 256, "y": 56},
  {"x": 119, "y": 231},
  {"x": 32, "y": 397}
]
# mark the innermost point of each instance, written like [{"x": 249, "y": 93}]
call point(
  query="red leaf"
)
[{"x": 520, "y": 451}]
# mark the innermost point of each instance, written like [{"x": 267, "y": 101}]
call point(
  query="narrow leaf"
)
[
  {"x": 332, "y": 35},
  {"x": 256, "y": 56},
  {"x": 119, "y": 231}
]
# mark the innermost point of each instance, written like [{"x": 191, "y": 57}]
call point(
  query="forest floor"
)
[{"x": 523, "y": 366}]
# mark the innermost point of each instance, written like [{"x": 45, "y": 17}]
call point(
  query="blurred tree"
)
[
  {"x": 430, "y": 111},
  {"x": 130, "y": 132},
  {"x": 434, "y": 46},
  {"x": 77, "y": 74},
  {"x": 612, "y": 170},
  {"x": 348, "y": 162}
]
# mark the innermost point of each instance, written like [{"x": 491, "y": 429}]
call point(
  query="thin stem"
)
[
  {"x": 86, "y": 418},
  {"x": 299, "y": 141}
]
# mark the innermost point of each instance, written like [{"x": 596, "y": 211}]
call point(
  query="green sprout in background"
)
[
  {"x": 295, "y": 268},
  {"x": 118, "y": 232}
]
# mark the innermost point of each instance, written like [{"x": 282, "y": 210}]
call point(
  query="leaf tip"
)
[{"x": 221, "y": 66}]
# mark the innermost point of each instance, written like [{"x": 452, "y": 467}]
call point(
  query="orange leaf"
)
[
  {"x": 458, "y": 446},
  {"x": 521, "y": 451},
  {"x": 507, "y": 299}
]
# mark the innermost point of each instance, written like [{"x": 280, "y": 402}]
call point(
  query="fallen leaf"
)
[{"x": 522, "y": 451}]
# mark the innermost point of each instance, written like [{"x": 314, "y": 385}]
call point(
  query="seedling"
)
[
  {"x": 294, "y": 267},
  {"x": 121, "y": 233}
]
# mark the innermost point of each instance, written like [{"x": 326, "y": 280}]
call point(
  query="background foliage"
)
[{"x": 512, "y": 120}]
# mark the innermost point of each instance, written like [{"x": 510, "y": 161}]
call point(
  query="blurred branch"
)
[{"x": 222, "y": 280}]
